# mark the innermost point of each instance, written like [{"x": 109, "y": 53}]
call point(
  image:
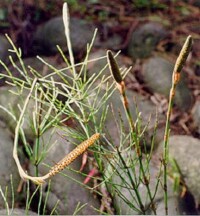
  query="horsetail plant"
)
[
  {"x": 61, "y": 164},
  {"x": 175, "y": 80},
  {"x": 114, "y": 69},
  {"x": 73, "y": 155},
  {"x": 81, "y": 106}
]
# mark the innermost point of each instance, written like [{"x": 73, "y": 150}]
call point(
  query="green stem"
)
[
  {"x": 121, "y": 86},
  {"x": 175, "y": 79},
  {"x": 133, "y": 183}
]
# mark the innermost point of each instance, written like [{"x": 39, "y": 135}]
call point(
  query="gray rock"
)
[
  {"x": 177, "y": 205},
  {"x": 117, "y": 114},
  {"x": 174, "y": 207},
  {"x": 41, "y": 68},
  {"x": 52, "y": 33},
  {"x": 67, "y": 188},
  {"x": 184, "y": 149},
  {"x": 17, "y": 211},
  {"x": 5, "y": 45},
  {"x": 4, "y": 54},
  {"x": 52, "y": 69},
  {"x": 113, "y": 42},
  {"x": 99, "y": 66},
  {"x": 196, "y": 115},
  {"x": 157, "y": 74},
  {"x": 193, "y": 2},
  {"x": 11, "y": 102},
  {"x": 145, "y": 38},
  {"x": 122, "y": 191},
  {"x": 8, "y": 167}
]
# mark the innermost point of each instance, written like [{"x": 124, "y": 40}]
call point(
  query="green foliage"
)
[{"x": 85, "y": 99}]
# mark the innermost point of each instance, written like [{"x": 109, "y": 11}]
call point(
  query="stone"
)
[
  {"x": 137, "y": 103},
  {"x": 184, "y": 149},
  {"x": 41, "y": 68},
  {"x": 145, "y": 39},
  {"x": 193, "y": 2},
  {"x": 68, "y": 188},
  {"x": 116, "y": 117},
  {"x": 11, "y": 103},
  {"x": 112, "y": 42},
  {"x": 4, "y": 54},
  {"x": 119, "y": 185},
  {"x": 101, "y": 65},
  {"x": 196, "y": 116},
  {"x": 52, "y": 33},
  {"x": 157, "y": 75},
  {"x": 5, "y": 46},
  {"x": 17, "y": 211},
  {"x": 8, "y": 167}
]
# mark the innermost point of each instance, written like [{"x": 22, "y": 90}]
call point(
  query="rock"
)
[
  {"x": 193, "y": 2},
  {"x": 17, "y": 211},
  {"x": 116, "y": 117},
  {"x": 67, "y": 188},
  {"x": 52, "y": 33},
  {"x": 41, "y": 68},
  {"x": 4, "y": 54},
  {"x": 11, "y": 102},
  {"x": 196, "y": 115},
  {"x": 51, "y": 70},
  {"x": 145, "y": 38},
  {"x": 157, "y": 74},
  {"x": 8, "y": 167},
  {"x": 11, "y": 106},
  {"x": 121, "y": 189},
  {"x": 197, "y": 70},
  {"x": 184, "y": 149},
  {"x": 112, "y": 42},
  {"x": 99, "y": 66},
  {"x": 116, "y": 110}
]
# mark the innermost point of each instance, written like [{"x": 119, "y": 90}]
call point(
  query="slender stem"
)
[
  {"x": 121, "y": 86},
  {"x": 175, "y": 79},
  {"x": 133, "y": 183},
  {"x": 17, "y": 130},
  {"x": 67, "y": 34},
  {"x": 38, "y": 132}
]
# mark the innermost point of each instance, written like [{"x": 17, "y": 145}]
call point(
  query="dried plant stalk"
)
[{"x": 73, "y": 155}]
